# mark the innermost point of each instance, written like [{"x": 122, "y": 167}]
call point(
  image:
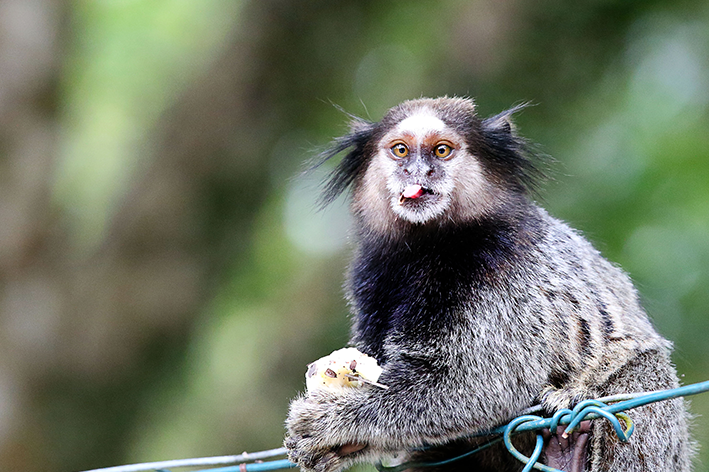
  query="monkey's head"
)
[{"x": 430, "y": 161}]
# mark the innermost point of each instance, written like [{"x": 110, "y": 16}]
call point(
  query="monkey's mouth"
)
[{"x": 413, "y": 192}]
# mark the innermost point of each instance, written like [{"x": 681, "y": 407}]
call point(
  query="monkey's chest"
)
[{"x": 414, "y": 301}]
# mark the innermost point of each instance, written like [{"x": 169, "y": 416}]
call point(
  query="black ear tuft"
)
[
  {"x": 502, "y": 122},
  {"x": 499, "y": 123},
  {"x": 510, "y": 155},
  {"x": 352, "y": 165}
]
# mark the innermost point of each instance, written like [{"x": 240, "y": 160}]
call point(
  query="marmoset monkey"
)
[{"x": 478, "y": 304}]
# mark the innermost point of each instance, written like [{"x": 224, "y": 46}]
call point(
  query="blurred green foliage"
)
[
  {"x": 127, "y": 63},
  {"x": 621, "y": 94}
]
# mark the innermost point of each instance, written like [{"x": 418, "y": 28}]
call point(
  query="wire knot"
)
[{"x": 585, "y": 410}]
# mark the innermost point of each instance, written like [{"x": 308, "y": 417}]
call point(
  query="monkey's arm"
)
[{"x": 430, "y": 400}]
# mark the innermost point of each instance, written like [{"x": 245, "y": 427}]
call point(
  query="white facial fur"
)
[
  {"x": 421, "y": 124},
  {"x": 460, "y": 190}
]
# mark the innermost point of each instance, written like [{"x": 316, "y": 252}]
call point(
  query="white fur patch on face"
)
[
  {"x": 421, "y": 124},
  {"x": 423, "y": 214},
  {"x": 457, "y": 192},
  {"x": 437, "y": 202}
]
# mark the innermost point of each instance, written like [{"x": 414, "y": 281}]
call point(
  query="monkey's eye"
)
[
  {"x": 442, "y": 150},
  {"x": 400, "y": 150}
]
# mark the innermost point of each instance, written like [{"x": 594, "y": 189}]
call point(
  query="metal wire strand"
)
[
  {"x": 585, "y": 410},
  {"x": 199, "y": 462}
]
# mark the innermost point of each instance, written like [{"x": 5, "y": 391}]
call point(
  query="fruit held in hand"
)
[{"x": 344, "y": 368}]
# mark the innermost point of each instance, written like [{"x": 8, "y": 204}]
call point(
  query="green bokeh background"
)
[{"x": 176, "y": 277}]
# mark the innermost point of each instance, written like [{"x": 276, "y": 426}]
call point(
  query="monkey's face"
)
[
  {"x": 419, "y": 154},
  {"x": 422, "y": 170}
]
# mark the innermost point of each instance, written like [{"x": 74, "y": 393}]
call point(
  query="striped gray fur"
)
[{"x": 477, "y": 304}]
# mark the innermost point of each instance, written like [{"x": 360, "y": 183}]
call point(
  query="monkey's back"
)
[{"x": 597, "y": 321}]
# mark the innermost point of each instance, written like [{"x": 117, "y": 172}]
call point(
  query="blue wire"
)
[
  {"x": 587, "y": 409},
  {"x": 531, "y": 461},
  {"x": 687, "y": 390},
  {"x": 255, "y": 467}
]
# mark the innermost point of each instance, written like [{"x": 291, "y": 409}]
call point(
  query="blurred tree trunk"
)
[{"x": 31, "y": 292}]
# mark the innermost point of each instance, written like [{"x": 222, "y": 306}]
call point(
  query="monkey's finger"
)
[{"x": 351, "y": 448}]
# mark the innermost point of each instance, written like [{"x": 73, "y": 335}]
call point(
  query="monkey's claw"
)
[{"x": 300, "y": 452}]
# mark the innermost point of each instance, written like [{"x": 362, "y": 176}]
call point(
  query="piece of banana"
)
[{"x": 343, "y": 368}]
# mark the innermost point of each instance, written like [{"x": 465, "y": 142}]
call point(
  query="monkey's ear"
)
[
  {"x": 510, "y": 155},
  {"x": 358, "y": 125},
  {"x": 352, "y": 164},
  {"x": 502, "y": 122}
]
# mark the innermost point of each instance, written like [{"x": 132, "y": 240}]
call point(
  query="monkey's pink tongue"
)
[{"x": 412, "y": 191}]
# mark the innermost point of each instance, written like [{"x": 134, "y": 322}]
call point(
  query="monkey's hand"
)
[
  {"x": 424, "y": 405},
  {"x": 318, "y": 438},
  {"x": 554, "y": 399}
]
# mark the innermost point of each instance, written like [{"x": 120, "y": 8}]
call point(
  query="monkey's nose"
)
[{"x": 419, "y": 168}]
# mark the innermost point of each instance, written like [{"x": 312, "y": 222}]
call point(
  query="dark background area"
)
[{"x": 164, "y": 276}]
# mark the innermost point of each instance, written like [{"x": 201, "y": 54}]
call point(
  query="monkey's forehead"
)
[
  {"x": 432, "y": 114},
  {"x": 440, "y": 107},
  {"x": 423, "y": 126},
  {"x": 465, "y": 105},
  {"x": 420, "y": 124}
]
